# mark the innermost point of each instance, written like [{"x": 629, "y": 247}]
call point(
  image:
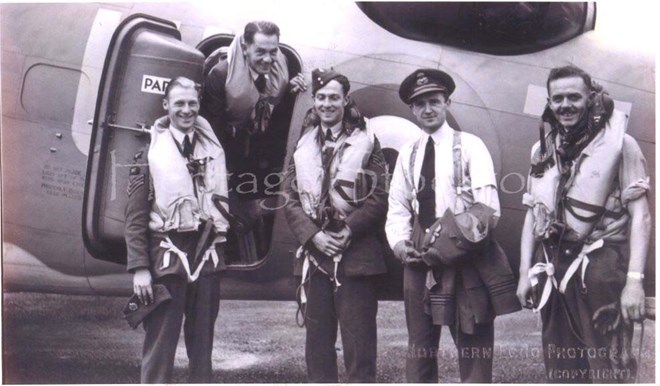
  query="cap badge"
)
[
  {"x": 422, "y": 79},
  {"x": 132, "y": 306}
]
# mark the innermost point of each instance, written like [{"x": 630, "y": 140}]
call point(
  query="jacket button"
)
[{"x": 568, "y": 251}]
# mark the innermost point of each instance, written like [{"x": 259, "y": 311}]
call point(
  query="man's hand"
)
[
  {"x": 343, "y": 236},
  {"x": 632, "y": 301},
  {"x": 524, "y": 291},
  {"x": 327, "y": 244},
  {"x": 408, "y": 255},
  {"x": 142, "y": 286},
  {"x": 297, "y": 83},
  {"x": 432, "y": 256}
]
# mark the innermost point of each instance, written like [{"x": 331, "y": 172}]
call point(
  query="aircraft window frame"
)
[
  {"x": 48, "y": 90},
  {"x": 488, "y": 28}
]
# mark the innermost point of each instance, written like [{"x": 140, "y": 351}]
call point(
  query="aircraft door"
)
[
  {"x": 255, "y": 191},
  {"x": 144, "y": 54}
]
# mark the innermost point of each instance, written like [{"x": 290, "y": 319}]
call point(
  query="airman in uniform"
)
[
  {"x": 175, "y": 234},
  {"x": 242, "y": 86},
  {"x": 443, "y": 205},
  {"x": 336, "y": 196},
  {"x": 587, "y": 188}
]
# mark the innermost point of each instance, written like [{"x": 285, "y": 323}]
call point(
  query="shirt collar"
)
[
  {"x": 254, "y": 75},
  {"x": 445, "y": 131},
  {"x": 178, "y": 134},
  {"x": 336, "y": 130}
]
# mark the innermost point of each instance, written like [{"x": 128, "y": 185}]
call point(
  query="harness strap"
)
[
  {"x": 549, "y": 269},
  {"x": 337, "y": 259},
  {"x": 457, "y": 149},
  {"x": 582, "y": 260},
  {"x": 183, "y": 257},
  {"x": 302, "y": 253},
  {"x": 614, "y": 215},
  {"x": 411, "y": 177},
  {"x": 305, "y": 268},
  {"x": 571, "y": 203},
  {"x": 458, "y": 164},
  {"x": 238, "y": 224}
]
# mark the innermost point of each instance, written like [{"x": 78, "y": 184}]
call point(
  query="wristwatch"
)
[{"x": 635, "y": 275}]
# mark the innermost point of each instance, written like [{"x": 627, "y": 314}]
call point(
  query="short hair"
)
[
  {"x": 267, "y": 28},
  {"x": 183, "y": 82},
  {"x": 568, "y": 72}
]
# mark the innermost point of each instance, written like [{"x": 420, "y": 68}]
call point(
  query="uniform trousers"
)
[
  {"x": 199, "y": 301},
  {"x": 475, "y": 351},
  {"x": 574, "y": 351},
  {"x": 354, "y": 307}
]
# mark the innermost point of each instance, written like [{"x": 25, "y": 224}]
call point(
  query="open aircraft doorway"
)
[{"x": 145, "y": 53}]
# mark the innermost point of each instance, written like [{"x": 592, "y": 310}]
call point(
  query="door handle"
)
[{"x": 141, "y": 127}]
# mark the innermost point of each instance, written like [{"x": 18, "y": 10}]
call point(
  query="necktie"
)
[
  {"x": 326, "y": 159},
  {"x": 328, "y": 136},
  {"x": 426, "y": 194},
  {"x": 260, "y": 83},
  {"x": 327, "y": 156},
  {"x": 187, "y": 147}
]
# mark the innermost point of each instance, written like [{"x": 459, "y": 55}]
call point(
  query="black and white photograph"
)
[{"x": 273, "y": 191}]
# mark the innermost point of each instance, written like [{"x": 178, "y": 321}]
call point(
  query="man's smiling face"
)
[{"x": 569, "y": 100}]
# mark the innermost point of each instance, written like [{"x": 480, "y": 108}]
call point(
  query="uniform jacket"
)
[
  {"x": 214, "y": 105},
  {"x": 481, "y": 268},
  {"x": 364, "y": 255}
]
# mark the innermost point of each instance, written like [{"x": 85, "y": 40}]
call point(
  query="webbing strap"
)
[
  {"x": 458, "y": 164},
  {"x": 582, "y": 260},
  {"x": 549, "y": 269},
  {"x": 457, "y": 149},
  {"x": 411, "y": 166},
  {"x": 183, "y": 257},
  {"x": 571, "y": 203}
]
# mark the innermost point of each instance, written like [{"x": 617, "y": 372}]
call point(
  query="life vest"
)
[
  {"x": 175, "y": 205},
  {"x": 346, "y": 172},
  {"x": 246, "y": 107},
  {"x": 592, "y": 181},
  {"x": 346, "y": 189}
]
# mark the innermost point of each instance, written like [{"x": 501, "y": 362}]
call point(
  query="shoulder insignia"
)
[{"x": 135, "y": 181}]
